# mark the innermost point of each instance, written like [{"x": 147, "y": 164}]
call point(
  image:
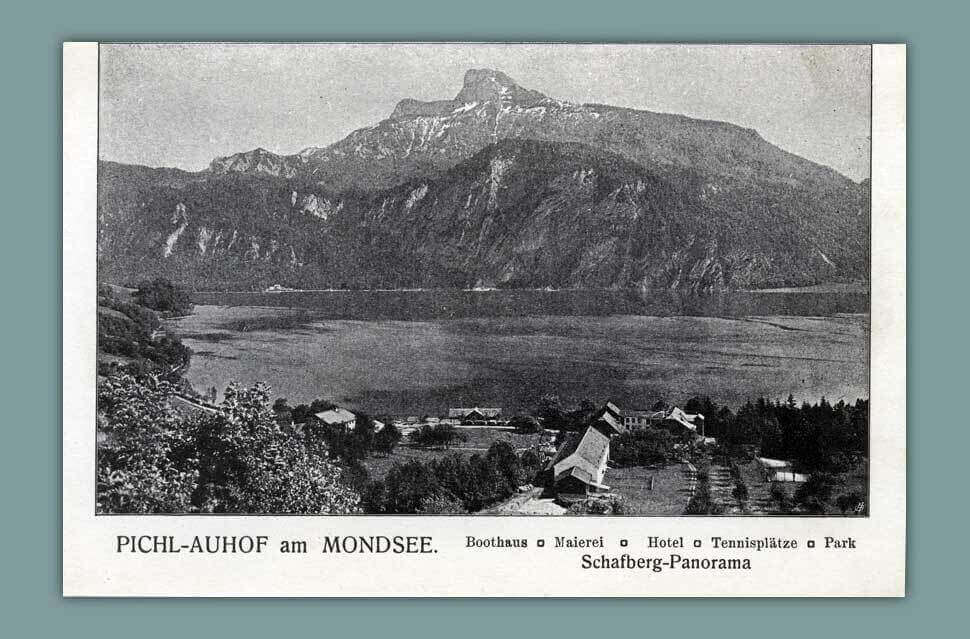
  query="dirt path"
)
[
  {"x": 530, "y": 503},
  {"x": 690, "y": 472}
]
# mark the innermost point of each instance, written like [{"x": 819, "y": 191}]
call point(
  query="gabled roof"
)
[
  {"x": 590, "y": 455},
  {"x": 484, "y": 412},
  {"x": 336, "y": 416},
  {"x": 684, "y": 419},
  {"x": 608, "y": 423}
]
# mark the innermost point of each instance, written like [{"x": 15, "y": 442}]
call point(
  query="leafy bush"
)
[
  {"x": 606, "y": 505},
  {"x": 437, "y": 436},
  {"x": 161, "y": 295},
  {"x": 387, "y": 439},
  {"x": 474, "y": 482},
  {"x": 151, "y": 460},
  {"x": 782, "y": 501},
  {"x": 145, "y": 462},
  {"x": 646, "y": 447},
  {"x": 815, "y": 493},
  {"x": 702, "y": 503},
  {"x": 853, "y": 503},
  {"x": 441, "y": 505},
  {"x": 525, "y": 424},
  {"x": 740, "y": 492}
]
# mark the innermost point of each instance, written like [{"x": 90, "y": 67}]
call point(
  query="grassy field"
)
[
  {"x": 418, "y": 367},
  {"x": 670, "y": 494}
]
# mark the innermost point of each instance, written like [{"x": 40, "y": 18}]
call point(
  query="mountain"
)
[
  {"x": 419, "y": 137},
  {"x": 501, "y": 186}
]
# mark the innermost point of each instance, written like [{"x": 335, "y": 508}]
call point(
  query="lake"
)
[
  {"x": 416, "y": 352},
  {"x": 451, "y": 304}
]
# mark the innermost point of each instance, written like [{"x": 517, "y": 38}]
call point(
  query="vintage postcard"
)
[{"x": 484, "y": 319}]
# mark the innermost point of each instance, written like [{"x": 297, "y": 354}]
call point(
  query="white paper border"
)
[{"x": 92, "y": 568}]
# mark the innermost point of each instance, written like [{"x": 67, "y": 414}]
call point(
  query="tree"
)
[
  {"x": 815, "y": 493},
  {"x": 525, "y": 424},
  {"x": 387, "y": 439},
  {"x": 550, "y": 412},
  {"x": 850, "y": 503},
  {"x": 437, "y": 436},
  {"x": 283, "y": 412},
  {"x": 144, "y": 459},
  {"x": 161, "y": 295},
  {"x": 647, "y": 447},
  {"x": 249, "y": 464},
  {"x": 781, "y": 499},
  {"x": 502, "y": 457},
  {"x": 438, "y": 504},
  {"x": 740, "y": 492},
  {"x": 407, "y": 487},
  {"x": 577, "y": 420}
]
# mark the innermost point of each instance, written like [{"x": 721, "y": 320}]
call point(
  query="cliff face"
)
[
  {"x": 501, "y": 186},
  {"x": 520, "y": 213}
]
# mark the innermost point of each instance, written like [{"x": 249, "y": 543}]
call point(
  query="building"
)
[
  {"x": 338, "y": 417},
  {"x": 605, "y": 422},
  {"x": 580, "y": 464},
  {"x": 639, "y": 418},
  {"x": 677, "y": 417},
  {"x": 783, "y": 476},
  {"x": 779, "y": 470},
  {"x": 578, "y": 467},
  {"x": 474, "y": 415},
  {"x": 613, "y": 409}
]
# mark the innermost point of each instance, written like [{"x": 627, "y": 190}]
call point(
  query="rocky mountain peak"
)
[
  {"x": 483, "y": 85},
  {"x": 258, "y": 160}
]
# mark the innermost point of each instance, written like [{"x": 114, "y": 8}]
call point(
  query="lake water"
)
[
  {"x": 425, "y": 351},
  {"x": 446, "y": 304}
]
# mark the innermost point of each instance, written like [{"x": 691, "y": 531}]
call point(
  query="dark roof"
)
[
  {"x": 607, "y": 423},
  {"x": 567, "y": 448},
  {"x": 613, "y": 408},
  {"x": 465, "y": 412}
]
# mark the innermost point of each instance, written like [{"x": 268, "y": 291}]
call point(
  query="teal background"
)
[{"x": 30, "y": 260}]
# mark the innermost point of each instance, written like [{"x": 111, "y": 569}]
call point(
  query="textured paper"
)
[{"x": 92, "y": 567}]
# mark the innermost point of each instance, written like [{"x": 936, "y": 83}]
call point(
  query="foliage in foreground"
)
[
  {"x": 452, "y": 484},
  {"x": 152, "y": 460},
  {"x": 606, "y": 505}
]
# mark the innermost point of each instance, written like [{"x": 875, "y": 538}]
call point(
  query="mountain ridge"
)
[{"x": 426, "y": 190}]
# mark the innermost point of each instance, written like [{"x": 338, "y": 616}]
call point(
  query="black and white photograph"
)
[{"x": 484, "y": 280}]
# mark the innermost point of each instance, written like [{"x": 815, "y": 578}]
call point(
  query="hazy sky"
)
[{"x": 183, "y": 105}]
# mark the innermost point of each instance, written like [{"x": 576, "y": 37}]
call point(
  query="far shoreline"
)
[{"x": 832, "y": 287}]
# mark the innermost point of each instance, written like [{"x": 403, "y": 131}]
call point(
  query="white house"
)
[{"x": 338, "y": 417}]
